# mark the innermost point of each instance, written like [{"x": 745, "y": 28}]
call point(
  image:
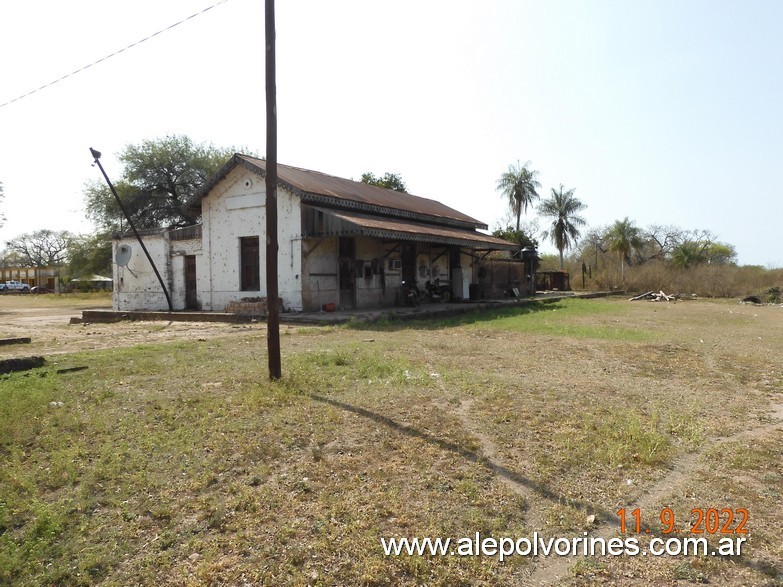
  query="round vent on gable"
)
[{"x": 248, "y": 183}]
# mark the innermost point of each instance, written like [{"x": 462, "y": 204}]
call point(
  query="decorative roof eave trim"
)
[
  {"x": 478, "y": 245},
  {"x": 343, "y": 204}
]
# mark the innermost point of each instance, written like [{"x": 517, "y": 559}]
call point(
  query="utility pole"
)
[{"x": 272, "y": 295}]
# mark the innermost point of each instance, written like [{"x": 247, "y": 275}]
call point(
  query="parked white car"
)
[{"x": 14, "y": 285}]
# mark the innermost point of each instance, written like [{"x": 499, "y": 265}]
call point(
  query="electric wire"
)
[{"x": 102, "y": 59}]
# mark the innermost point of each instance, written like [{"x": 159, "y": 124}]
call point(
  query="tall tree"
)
[
  {"x": 390, "y": 181},
  {"x": 563, "y": 208},
  {"x": 703, "y": 249},
  {"x": 158, "y": 181},
  {"x": 518, "y": 185},
  {"x": 623, "y": 238},
  {"x": 89, "y": 255},
  {"x": 42, "y": 248}
]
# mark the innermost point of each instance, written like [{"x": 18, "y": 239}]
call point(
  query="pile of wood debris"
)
[{"x": 652, "y": 296}]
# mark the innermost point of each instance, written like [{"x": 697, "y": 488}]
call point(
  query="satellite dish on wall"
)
[{"x": 122, "y": 258}]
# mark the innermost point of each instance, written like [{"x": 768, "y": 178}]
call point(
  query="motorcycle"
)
[
  {"x": 411, "y": 295},
  {"x": 438, "y": 292}
]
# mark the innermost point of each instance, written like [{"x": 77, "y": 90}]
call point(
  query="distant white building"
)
[{"x": 340, "y": 241}]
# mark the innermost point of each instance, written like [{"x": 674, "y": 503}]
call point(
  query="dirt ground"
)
[{"x": 46, "y": 320}]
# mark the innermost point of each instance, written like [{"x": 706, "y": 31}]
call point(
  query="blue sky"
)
[{"x": 665, "y": 112}]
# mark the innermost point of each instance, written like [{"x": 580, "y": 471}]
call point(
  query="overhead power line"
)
[{"x": 102, "y": 59}]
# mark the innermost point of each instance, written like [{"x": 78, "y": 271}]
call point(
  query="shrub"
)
[{"x": 706, "y": 280}]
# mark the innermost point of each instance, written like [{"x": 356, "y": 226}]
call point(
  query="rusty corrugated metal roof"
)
[
  {"x": 331, "y": 191},
  {"x": 415, "y": 231}
]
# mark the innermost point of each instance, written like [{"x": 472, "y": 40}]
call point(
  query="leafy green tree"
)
[
  {"x": 522, "y": 238},
  {"x": 518, "y": 185},
  {"x": 390, "y": 181},
  {"x": 720, "y": 254},
  {"x": 563, "y": 209},
  {"x": 159, "y": 179},
  {"x": 623, "y": 237},
  {"x": 695, "y": 252},
  {"x": 42, "y": 248},
  {"x": 686, "y": 255},
  {"x": 90, "y": 255}
]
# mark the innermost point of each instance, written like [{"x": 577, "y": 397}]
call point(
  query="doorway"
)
[
  {"x": 191, "y": 297},
  {"x": 408, "y": 258},
  {"x": 347, "y": 272}
]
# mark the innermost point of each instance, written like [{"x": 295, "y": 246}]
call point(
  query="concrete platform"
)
[{"x": 397, "y": 313}]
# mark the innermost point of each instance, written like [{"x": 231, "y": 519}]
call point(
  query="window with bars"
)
[{"x": 249, "y": 261}]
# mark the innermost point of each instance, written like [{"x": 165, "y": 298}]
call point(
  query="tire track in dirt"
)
[
  {"x": 490, "y": 451},
  {"x": 488, "y": 448}
]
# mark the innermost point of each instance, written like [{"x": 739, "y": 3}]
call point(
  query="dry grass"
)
[
  {"x": 716, "y": 281},
  {"x": 179, "y": 464}
]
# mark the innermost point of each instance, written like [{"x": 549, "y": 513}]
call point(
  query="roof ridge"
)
[{"x": 354, "y": 193}]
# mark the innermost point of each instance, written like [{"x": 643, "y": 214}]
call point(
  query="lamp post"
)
[{"x": 97, "y": 156}]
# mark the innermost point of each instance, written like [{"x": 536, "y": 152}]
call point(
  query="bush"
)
[{"x": 706, "y": 280}]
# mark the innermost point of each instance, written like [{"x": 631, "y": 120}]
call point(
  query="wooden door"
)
[
  {"x": 347, "y": 272},
  {"x": 191, "y": 297}
]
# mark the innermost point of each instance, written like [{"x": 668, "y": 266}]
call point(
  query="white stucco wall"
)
[
  {"x": 135, "y": 286},
  {"x": 236, "y": 208}
]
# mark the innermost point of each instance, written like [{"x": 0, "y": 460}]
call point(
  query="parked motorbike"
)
[
  {"x": 438, "y": 292},
  {"x": 411, "y": 295}
]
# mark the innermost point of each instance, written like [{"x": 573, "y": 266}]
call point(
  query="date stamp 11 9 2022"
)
[{"x": 700, "y": 521}]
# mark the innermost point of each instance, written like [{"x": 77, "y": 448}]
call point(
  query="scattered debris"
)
[
  {"x": 752, "y": 300},
  {"x": 23, "y": 340},
  {"x": 21, "y": 364},
  {"x": 590, "y": 520},
  {"x": 56, "y": 404},
  {"x": 71, "y": 369},
  {"x": 655, "y": 297}
]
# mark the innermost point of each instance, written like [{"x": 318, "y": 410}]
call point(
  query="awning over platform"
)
[{"x": 341, "y": 223}]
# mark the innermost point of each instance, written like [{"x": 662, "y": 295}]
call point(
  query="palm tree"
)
[
  {"x": 623, "y": 238},
  {"x": 519, "y": 184},
  {"x": 563, "y": 208}
]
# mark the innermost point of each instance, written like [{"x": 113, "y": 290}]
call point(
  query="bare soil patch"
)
[{"x": 46, "y": 319}]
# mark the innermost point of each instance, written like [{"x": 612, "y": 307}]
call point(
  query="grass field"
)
[{"x": 178, "y": 463}]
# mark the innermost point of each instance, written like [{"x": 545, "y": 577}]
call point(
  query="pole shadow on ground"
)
[{"x": 607, "y": 516}]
